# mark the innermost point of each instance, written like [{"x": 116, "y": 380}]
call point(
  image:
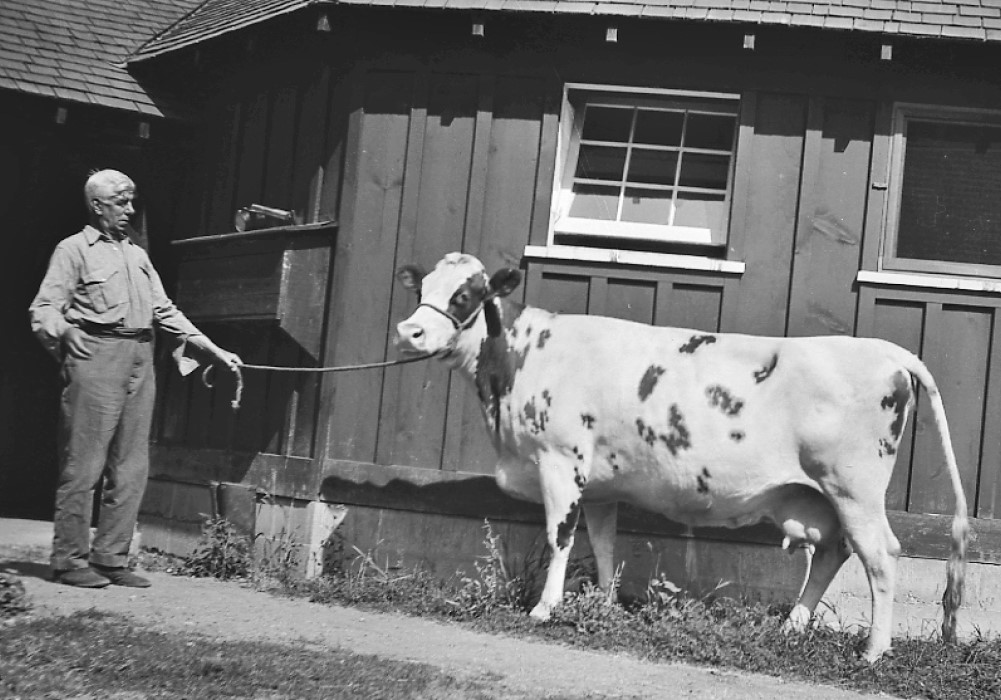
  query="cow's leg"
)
[
  {"x": 600, "y": 519},
  {"x": 868, "y": 531},
  {"x": 825, "y": 562},
  {"x": 561, "y": 498}
]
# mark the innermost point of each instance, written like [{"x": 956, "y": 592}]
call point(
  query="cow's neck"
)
[{"x": 489, "y": 360}]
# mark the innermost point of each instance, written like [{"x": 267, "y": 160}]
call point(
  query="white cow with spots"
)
[{"x": 707, "y": 429}]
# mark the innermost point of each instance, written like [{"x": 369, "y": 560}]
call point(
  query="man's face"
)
[{"x": 113, "y": 207}]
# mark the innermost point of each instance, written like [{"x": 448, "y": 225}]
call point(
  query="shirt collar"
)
[{"x": 93, "y": 235}]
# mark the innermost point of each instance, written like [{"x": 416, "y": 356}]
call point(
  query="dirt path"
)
[{"x": 225, "y": 610}]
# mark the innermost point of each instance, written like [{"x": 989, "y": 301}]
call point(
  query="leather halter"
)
[{"x": 456, "y": 323}]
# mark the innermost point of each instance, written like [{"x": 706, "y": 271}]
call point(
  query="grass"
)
[
  {"x": 670, "y": 627},
  {"x": 94, "y": 655}
]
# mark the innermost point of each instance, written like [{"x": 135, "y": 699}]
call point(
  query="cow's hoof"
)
[
  {"x": 798, "y": 620},
  {"x": 874, "y": 655},
  {"x": 541, "y": 612}
]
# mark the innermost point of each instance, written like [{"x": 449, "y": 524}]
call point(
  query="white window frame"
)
[
  {"x": 561, "y": 223},
  {"x": 889, "y": 261}
]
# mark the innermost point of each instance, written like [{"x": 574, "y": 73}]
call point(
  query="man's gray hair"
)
[{"x": 103, "y": 182}]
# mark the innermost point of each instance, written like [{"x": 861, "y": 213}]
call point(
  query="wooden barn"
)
[{"x": 757, "y": 166}]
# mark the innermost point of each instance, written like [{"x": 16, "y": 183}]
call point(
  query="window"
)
[
  {"x": 945, "y": 194},
  {"x": 644, "y": 166}
]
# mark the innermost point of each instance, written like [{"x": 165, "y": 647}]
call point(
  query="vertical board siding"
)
[
  {"x": 957, "y": 343},
  {"x": 505, "y": 161},
  {"x": 766, "y": 197},
  {"x": 415, "y": 398},
  {"x": 832, "y": 212},
  {"x": 365, "y": 261}
]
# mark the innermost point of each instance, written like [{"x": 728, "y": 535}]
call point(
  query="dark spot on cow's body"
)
[
  {"x": 703, "y": 481},
  {"x": 578, "y": 454},
  {"x": 766, "y": 371},
  {"x": 887, "y": 447},
  {"x": 612, "y": 462},
  {"x": 544, "y": 336},
  {"x": 535, "y": 418},
  {"x": 646, "y": 432},
  {"x": 565, "y": 530},
  {"x": 588, "y": 420},
  {"x": 678, "y": 438},
  {"x": 695, "y": 341},
  {"x": 497, "y": 363},
  {"x": 547, "y": 397},
  {"x": 579, "y": 478},
  {"x": 720, "y": 398},
  {"x": 897, "y": 401},
  {"x": 649, "y": 381},
  {"x": 737, "y": 435}
]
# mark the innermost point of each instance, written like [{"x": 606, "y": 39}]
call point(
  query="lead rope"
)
[{"x": 237, "y": 370}]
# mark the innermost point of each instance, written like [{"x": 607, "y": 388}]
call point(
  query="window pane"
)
[
  {"x": 601, "y": 163},
  {"x": 950, "y": 207},
  {"x": 647, "y": 206},
  {"x": 607, "y": 124},
  {"x": 659, "y": 128},
  {"x": 702, "y": 170},
  {"x": 595, "y": 202},
  {"x": 710, "y": 131},
  {"x": 701, "y": 210},
  {"x": 653, "y": 167}
]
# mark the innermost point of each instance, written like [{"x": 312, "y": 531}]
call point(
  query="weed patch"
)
[
  {"x": 221, "y": 553},
  {"x": 13, "y": 599}
]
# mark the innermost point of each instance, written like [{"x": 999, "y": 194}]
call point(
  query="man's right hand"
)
[{"x": 76, "y": 342}]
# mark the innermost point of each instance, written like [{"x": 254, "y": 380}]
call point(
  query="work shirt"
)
[{"x": 96, "y": 280}]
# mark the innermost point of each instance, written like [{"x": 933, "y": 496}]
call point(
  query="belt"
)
[{"x": 142, "y": 335}]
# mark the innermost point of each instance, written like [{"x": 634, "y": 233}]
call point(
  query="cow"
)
[{"x": 708, "y": 429}]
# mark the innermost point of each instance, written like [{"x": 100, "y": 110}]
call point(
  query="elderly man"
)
[{"x": 95, "y": 311}]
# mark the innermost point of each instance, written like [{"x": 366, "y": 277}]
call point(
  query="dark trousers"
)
[{"x": 107, "y": 410}]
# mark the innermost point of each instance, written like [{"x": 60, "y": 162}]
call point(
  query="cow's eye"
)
[{"x": 461, "y": 298}]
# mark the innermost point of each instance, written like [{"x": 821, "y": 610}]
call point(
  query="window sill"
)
[
  {"x": 634, "y": 257},
  {"x": 907, "y": 279}
]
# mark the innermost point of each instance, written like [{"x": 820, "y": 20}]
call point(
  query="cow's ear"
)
[
  {"x": 410, "y": 277},
  {"x": 504, "y": 282}
]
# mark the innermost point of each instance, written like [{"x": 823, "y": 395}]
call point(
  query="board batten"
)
[
  {"x": 832, "y": 214},
  {"x": 763, "y": 220},
  {"x": 900, "y": 322},
  {"x": 378, "y": 133},
  {"x": 956, "y": 349},
  {"x": 415, "y": 397}
]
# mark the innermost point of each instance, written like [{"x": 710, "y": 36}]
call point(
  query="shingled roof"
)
[
  {"x": 978, "y": 20},
  {"x": 75, "y": 50}
]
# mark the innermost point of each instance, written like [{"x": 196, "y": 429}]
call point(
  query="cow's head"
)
[{"x": 450, "y": 300}]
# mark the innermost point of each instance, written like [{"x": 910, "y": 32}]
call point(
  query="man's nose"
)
[{"x": 129, "y": 209}]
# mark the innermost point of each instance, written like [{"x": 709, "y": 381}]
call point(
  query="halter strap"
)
[{"x": 456, "y": 323}]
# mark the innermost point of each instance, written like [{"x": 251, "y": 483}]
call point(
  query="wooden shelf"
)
[{"x": 278, "y": 274}]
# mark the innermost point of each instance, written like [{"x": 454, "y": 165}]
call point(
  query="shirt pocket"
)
[{"x": 104, "y": 289}]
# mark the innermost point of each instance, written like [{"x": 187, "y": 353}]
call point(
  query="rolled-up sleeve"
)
[
  {"x": 47, "y": 311},
  {"x": 168, "y": 317}
]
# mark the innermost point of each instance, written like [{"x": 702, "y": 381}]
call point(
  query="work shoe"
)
[
  {"x": 81, "y": 578},
  {"x": 120, "y": 576}
]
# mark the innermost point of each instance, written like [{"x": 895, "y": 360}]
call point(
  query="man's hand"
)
[
  {"x": 230, "y": 359},
  {"x": 77, "y": 343}
]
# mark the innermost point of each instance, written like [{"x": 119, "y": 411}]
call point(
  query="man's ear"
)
[
  {"x": 410, "y": 277},
  {"x": 504, "y": 281}
]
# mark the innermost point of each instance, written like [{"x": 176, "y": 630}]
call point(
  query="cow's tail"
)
[{"x": 956, "y": 568}]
